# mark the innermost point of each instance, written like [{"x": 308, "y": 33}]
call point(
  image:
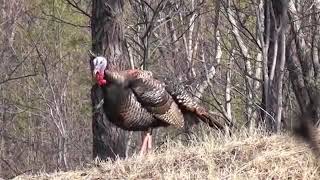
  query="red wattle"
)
[{"x": 100, "y": 79}]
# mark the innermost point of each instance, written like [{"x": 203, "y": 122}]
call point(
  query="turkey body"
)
[{"x": 135, "y": 103}]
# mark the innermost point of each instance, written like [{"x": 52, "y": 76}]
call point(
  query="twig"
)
[
  {"x": 16, "y": 78},
  {"x": 75, "y": 5},
  {"x": 58, "y": 20}
]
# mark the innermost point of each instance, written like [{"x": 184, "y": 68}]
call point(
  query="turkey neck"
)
[{"x": 112, "y": 99}]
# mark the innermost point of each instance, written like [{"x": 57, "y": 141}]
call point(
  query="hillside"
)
[{"x": 254, "y": 157}]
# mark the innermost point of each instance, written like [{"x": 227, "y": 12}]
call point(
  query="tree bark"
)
[
  {"x": 280, "y": 80},
  {"x": 273, "y": 61},
  {"x": 231, "y": 14},
  {"x": 303, "y": 65},
  {"x": 228, "y": 86},
  {"x": 108, "y": 140},
  {"x": 315, "y": 42}
]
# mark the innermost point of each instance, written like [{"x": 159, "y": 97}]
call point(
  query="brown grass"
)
[{"x": 240, "y": 157}]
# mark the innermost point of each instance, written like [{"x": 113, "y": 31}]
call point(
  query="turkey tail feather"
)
[{"x": 208, "y": 119}]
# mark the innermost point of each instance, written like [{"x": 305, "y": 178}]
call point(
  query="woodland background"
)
[{"x": 253, "y": 63}]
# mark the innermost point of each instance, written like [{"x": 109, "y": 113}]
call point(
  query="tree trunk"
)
[
  {"x": 256, "y": 87},
  {"x": 303, "y": 64},
  {"x": 315, "y": 43},
  {"x": 280, "y": 80},
  {"x": 3, "y": 148},
  {"x": 108, "y": 140},
  {"x": 228, "y": 86},
  {"x": 231, "y": 14},
  {"x": 275, "y": 22}
]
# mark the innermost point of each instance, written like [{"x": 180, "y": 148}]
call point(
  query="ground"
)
[{"x": 242, "y": 156}]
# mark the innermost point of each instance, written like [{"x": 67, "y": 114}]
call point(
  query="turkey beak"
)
[{"x": 95, "y": 72}]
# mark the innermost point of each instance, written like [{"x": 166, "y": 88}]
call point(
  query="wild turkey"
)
[{"x": 134, "y": 100}]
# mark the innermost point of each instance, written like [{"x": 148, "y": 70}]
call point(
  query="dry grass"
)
[{"x": 240, "y": 157}]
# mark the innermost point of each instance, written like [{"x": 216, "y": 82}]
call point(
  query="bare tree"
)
[
  {"x": 108, "y": 140},
  {"x": 273, "y": 52},
  {"x": 302, "y": 60}
]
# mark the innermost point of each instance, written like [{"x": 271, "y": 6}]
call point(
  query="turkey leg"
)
[
  {"x": 147, "y": 142},
  {"x": 144, "y": 143}
]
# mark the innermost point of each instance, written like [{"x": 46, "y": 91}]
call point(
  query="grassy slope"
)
[{"x": 254, "y": 157}]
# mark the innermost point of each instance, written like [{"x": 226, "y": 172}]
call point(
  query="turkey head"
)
[{"x": 100, "y": 64}]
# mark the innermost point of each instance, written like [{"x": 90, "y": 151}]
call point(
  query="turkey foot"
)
[{"x": 147, "y": 144}]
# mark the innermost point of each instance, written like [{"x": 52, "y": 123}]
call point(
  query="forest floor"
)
[{"x": 239, "y": 157}]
